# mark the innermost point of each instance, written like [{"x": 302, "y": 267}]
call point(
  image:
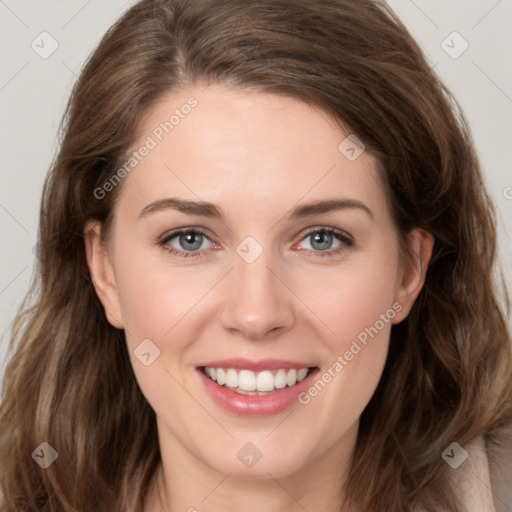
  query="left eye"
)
[
  {"x": 320, "y": 242},
  {"x": 322, "y": 239},
  {"x": 187, "y": 240}
]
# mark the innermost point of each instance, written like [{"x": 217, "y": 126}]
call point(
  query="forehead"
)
[{"x": 246, "y": 149}]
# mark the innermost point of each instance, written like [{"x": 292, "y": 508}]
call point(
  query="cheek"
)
[
  {"x": 153, "y": 294},
  {"x": 351, "y": 298},
  {"x": 156, "y": 299},
  {"x": 357, "y": 306},
  {"x": 161, "y": 304}
]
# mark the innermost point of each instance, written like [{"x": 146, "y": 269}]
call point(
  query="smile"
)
[
  {"x": 245, "y": 387},
  {"x": 247, "y": 382}
]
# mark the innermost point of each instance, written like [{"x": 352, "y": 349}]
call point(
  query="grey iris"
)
[
  {"x": 321, "y": 240},
  {"x": 188, "y": 238}
]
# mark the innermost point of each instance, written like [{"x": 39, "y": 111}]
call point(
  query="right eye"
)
[{"x": 185, "y": 243}]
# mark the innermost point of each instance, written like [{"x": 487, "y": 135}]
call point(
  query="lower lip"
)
[{"x": 255, "y": 405}]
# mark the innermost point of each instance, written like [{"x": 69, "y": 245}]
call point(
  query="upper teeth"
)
[{"x": 248, "y": 380}]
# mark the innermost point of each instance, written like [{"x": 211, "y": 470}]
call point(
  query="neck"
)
[{"x": 183, "y": 483}]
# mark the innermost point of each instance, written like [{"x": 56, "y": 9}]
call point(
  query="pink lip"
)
[
  {"x": 254, "y": 405},
  {"x": 240, "y": 363}
]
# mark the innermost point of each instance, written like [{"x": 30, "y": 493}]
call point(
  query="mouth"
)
[
  {"x": 247, "y": 388},
  {"x": 248, "y": 382}
]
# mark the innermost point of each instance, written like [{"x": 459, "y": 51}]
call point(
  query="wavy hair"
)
[{"x": 448, "y": 375}]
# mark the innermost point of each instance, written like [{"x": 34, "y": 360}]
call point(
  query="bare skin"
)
[{"x": 257, "y": 157}]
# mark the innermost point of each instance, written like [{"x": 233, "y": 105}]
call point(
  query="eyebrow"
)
[
  {"x": 325, "y": 206},
  {"x": 201, "y": 208},
  {"x": 205, "y": 209}
]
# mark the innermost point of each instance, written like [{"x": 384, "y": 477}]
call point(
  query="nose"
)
[{"x": 259, "y": 305}]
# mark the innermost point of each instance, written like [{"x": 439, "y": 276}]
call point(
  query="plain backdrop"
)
[{"x": 44, "y": 46}]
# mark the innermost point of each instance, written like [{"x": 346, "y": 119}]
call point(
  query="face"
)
[{"x": 254, "y": 265}]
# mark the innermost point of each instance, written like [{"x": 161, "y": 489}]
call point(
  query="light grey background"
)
[{"x": 34, "y": 90}]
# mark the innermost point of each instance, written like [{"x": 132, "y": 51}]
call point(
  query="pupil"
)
[
  {"x": 189, "y": 239},
  {"x": 322, "y": 240}
]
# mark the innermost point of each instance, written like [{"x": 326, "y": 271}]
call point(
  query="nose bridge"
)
[{"x": 258, "y": 301}]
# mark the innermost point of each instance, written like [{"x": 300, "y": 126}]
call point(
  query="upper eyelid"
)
[
  {"x": 175, "y": 232},
  {"x": 338, "y": 231},
  {"x": 302, "y": 234}
]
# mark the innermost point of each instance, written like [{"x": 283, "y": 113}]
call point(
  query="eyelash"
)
[
  {"x": 182, "y": 254},
  {"x": 339, "y": 235}
]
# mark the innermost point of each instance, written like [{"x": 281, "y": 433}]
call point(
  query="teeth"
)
[
  {"x": 221, "y": 376},
  {"x": 264, "y": 381},
  {"x": 251, "y": 383},
  {"x": 280, "y": 379},
  {"x": 247, "y": 381},
  {"x": 301, "y": 374},
  {"x": 231, "y": 378},
  {"x": 291, "y": 377}
]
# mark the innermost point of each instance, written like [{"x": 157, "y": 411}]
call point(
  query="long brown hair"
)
[{"x": 448, "y": 376}]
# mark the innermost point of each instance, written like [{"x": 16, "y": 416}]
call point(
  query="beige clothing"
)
[{"x": 484, "y": 488}]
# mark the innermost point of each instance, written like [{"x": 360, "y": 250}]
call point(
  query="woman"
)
[{"x": 265, "y": 277}]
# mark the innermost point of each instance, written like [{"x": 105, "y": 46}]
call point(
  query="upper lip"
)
[{"x": 241, "y": 363}]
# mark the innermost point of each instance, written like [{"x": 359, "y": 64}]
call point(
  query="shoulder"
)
[
  {"x": 500, "y": 469},
  {"x": 479, "y": 491}
]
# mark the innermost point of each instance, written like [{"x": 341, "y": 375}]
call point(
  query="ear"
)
[
  {"x": 102, "y": 273},
  {"x": 412, "y": 276}
]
